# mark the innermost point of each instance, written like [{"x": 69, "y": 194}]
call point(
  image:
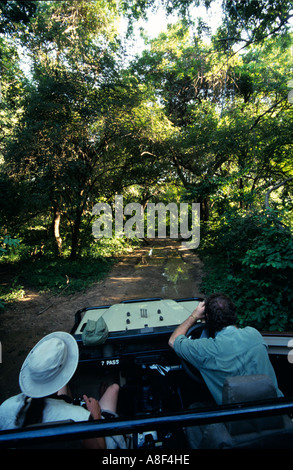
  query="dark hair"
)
[
  {"x": 31, "y": 412},
  {"x": 220, "y": 311},
  {"x": 32, "y": 409}
]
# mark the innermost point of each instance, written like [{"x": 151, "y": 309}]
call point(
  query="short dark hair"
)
[{"x": 220, "y": 311}]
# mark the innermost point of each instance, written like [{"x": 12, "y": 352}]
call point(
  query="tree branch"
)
[
  {"x": 266, "y": 112},
  {"x": 267, "y": 205}
]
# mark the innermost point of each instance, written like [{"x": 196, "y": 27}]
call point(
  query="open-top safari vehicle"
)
[{"x": 157, "y": 389}]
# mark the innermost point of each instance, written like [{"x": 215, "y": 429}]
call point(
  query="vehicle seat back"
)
[
  {"x": 243, "y": 389},
  {"x": 244, "y": 433}
]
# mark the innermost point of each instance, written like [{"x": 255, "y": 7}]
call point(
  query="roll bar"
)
[{"x": 87, "y": 429}]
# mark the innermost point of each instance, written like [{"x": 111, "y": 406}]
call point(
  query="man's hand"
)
[
  {"x": 93, "y": 407},
  {"x": 182, "y": 329},
  {"x": 198, "y": 312}
]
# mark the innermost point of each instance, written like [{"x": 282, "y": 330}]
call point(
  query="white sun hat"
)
[{"x": 49, "y": 366}]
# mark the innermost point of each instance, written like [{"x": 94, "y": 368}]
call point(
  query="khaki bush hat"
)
[{"x": 49, "y": 366}]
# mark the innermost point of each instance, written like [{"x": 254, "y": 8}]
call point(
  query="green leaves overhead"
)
[
  {"x": 16, "y": 14},
  {"x": 230, "y": 113},
  {"x": 254, "y": 20},
  {"x": 210, "y": 115}
]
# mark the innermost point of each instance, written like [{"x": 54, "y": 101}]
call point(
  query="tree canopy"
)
[{"x": 196, "y": 117}]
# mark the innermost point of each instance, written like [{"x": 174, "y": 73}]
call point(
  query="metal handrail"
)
[{"x": 88, "y": 429}]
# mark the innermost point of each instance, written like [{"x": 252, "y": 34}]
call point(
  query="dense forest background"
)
[{"x": 196, "y": 117}]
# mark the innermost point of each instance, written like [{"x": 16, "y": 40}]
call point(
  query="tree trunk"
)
[
  {"x": 240, "y": 182},
  {"x": 75, "y": 236},
  {"x": 56, "y": 227},
  {"x": 205, "y": 209}
]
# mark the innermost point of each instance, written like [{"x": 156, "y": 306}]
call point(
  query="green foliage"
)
[
  {"x": 7, "y": 244},
  {"x": 211, "y": 122},
  {"x": 257, "y": 19},
  {"x": 110, "y": 248},
  {"x": 9, "y": 295},
  {"x": 54, "y": 275},
  {"x": 26, "y": 268},
  {"x": 251, "y": 259},
  {"x": 16, "y": 14}
]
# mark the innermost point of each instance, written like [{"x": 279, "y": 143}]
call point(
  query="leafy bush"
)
[
  {"x": 10, "y": 294},
  {"x": 55, "y": 274},
  {"x": 49, "y": 273},
  {"x": 52, "y": 275},
  {"x": 251, "y": 259},
  {"x": 7, "y": 242}
]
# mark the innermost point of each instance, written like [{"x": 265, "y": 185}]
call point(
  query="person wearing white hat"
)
[{"x": 43, "y": 380}]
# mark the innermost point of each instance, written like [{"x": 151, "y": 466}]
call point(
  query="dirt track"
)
[{"x": 160, "y": 269}]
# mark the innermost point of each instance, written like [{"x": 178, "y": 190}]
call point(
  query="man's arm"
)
[
  {"x": 94, "y": 407},
  {"x": 182, "y": 329}
]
